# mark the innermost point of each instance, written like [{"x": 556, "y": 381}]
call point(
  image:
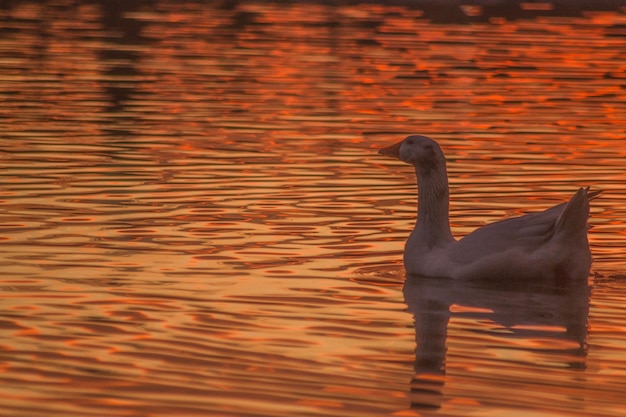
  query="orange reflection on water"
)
[{"x": 195, "y": 219}]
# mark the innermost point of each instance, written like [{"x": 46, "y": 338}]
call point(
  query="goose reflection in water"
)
[{"x": 515, "y": 314}]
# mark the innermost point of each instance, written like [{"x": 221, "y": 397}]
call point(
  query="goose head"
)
[{"x": 420, "y": 151}]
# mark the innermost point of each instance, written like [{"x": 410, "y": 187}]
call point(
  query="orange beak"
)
[{"x": 393, "y": 150}]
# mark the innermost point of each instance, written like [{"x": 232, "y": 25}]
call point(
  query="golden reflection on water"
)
[{"x": 194, "y": 219}]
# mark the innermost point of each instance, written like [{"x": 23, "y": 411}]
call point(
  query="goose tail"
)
[{"x": 573, "y": 219}]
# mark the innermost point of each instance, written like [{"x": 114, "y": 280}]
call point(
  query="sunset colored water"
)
[{"x": 194, "y": 219}]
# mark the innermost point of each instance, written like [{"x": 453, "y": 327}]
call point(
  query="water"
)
[{"x": 195, "y": 220}]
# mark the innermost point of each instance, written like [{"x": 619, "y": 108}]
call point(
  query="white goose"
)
[{"x": 549, "y": 245}]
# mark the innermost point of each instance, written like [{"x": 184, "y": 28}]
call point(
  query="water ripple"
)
[{"x": 194, "y": 219}]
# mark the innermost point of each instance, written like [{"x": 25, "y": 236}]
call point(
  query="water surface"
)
[{"x": 195, "y": 220}]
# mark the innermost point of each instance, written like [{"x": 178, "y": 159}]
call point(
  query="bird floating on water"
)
[{"x": 550, "y": 245}]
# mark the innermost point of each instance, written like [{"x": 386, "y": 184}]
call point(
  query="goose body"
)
[{"x": 548, "y": 245}]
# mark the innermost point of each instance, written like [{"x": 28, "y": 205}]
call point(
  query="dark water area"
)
[{"x": 194, "y": 219}]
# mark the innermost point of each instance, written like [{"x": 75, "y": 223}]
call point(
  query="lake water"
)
[{"x": 194, "y": 220}]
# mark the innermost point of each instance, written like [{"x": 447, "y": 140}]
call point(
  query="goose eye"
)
[{"x": 409, "y": 142}]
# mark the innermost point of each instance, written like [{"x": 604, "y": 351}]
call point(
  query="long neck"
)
[{"x": 433, "y": 224}]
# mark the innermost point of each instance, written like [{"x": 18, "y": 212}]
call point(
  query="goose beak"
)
[{"x": 393, "y": 150}]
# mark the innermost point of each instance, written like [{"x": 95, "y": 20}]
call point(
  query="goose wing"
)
[
  {"x": 525, "y": 233},
  {"x": 530, "y": 245}
]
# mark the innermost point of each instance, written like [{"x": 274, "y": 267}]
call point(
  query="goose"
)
[{"x": 550, "y": 245}]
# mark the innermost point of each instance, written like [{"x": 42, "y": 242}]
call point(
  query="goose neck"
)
[{"x": 433, "y": 223}]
